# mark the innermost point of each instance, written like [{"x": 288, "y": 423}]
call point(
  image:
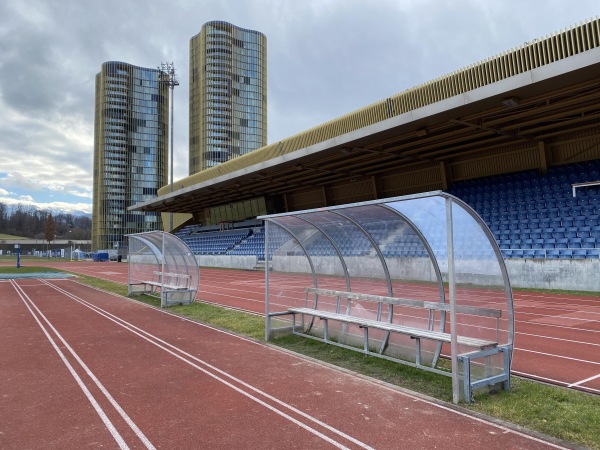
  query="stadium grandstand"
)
[{"x": 516, "y": 136}]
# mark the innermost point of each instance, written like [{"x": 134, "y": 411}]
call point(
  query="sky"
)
[{"x": 325, "y": 59}]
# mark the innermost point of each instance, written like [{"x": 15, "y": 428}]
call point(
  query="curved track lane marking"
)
[
  {"x": 584, "y": 381},
  {"x": 111, "y": 428},
  {"x": 163, "y": 345}
]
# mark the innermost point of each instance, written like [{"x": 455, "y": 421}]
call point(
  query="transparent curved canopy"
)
[
  {"x": 428, "y": 247},
  {"x": 161, "y": 262}
]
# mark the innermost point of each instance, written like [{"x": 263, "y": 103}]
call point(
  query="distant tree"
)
[
  {"x": 3, "y": 216},
  {"x": 29, "y": 221},
  {"x": 50, "y": 230}
]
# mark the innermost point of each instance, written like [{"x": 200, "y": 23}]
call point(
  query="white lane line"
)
[
  {"x": 162, "y": 311},
  {"x": 157, "y": 342},
  {"x": 553, "y": 381},
  {"x": 107, "y": 423},
  {"x": 97, "y": 382},
  {"x": 584, "y": 381},
  {"x": 558, "y": 356},
  {"x": 557, "y": 339}
]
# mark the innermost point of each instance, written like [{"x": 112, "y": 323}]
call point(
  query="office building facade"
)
[
  {"x": 130, "y": 151},
  {"x": 228, "y": 94}
]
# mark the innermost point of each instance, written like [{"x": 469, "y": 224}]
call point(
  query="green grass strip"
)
[{"x": 28, "y": 269}]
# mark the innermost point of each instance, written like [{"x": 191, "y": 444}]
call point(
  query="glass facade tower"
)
[
  {"x": 130, "y": 150},
  {"x": 228, "y": 94}
]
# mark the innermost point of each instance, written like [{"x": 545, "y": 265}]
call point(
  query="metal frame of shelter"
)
[
  {"x": 161, "y": 264},
  {"x": 410, "y": 279}
]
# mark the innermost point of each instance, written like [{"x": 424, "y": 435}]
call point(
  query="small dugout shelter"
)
[
  {"x": 417, "y": 279},
  {"x": 161, "y": 264}
]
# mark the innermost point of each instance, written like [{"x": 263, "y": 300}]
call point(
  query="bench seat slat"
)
[
  {"x": 413, "y": 332},
  {"x": 473, "y": 310},
  {"x": 166, "y": 286}
]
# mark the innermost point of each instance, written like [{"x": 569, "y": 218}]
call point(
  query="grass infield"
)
[{"x": 555, "y": 411}]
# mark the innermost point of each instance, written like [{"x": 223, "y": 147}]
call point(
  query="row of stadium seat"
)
[{"x": 526, "y": 212}]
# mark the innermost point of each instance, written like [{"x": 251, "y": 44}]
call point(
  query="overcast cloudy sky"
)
[{"x": 325, "y": 58}]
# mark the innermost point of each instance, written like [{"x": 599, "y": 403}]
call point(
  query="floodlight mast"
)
[{"x": 170, "y": 78}]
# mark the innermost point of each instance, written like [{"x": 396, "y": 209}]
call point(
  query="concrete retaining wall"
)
[
  {"x": 564, "y": 274},
  {"x": 227, "y": 261}
]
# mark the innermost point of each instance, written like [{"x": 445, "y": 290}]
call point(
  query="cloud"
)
[
  {"x": 63, "y": 207},
  {"x": 325, "y": 58}
]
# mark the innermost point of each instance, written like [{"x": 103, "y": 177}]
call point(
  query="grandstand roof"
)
[{"x": 544, "y": 93}]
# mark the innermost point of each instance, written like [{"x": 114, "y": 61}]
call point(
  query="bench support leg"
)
[
  {"x": 385, "y": 342},
  {"x": 467, "y": 395},
  {"x": 366, "y": 341},
  {"x": 506, "y": 354},
  {"x": 325, "y": 330},
  {"x": 418, "y": 352}
]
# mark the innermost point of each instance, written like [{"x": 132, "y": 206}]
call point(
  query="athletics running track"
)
[
  {"x": 83, "y": 368},
  {"x": 557, "y": 337}
]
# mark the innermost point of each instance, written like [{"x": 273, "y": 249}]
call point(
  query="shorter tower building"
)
[
  {"x": 228, "y": 94},
  {"x": 130, "y": 150}
]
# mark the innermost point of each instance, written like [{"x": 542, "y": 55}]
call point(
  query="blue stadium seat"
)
[
  {"x": 592, "y": 221},
  {"x": 579, "y": 254},
  {"x": 538, "y": 244},
  {"x": 582, "y": 201},
  {"x": 592, "y": 253},
  {"x": 575, "y": 242},
  {"x": 556, "y": 223},
  {"x": 565, "y": 253},
  {"x": 562, "y": 243},
  {"x": 547, "y": 234},
  {"x": 589, "y": 242},
  {"x": 552, "y": 253},
  {"x": 571, "y": 202},
  {"x": 561, "y": 204}
]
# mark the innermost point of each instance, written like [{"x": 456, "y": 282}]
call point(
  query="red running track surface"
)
[{"x": 84, "y": 368}]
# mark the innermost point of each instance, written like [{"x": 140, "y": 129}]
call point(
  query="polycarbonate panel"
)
[{"x": 479, "y": 273}]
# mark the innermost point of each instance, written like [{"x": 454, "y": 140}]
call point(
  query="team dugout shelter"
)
[
  {"x": 162, "y": 265},
  {"x": 407, "y": 279}
]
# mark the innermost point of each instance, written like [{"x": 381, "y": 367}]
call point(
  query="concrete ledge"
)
[
  {"x": 563, "y": 274},
  {"x": 227, "y": 261}
]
